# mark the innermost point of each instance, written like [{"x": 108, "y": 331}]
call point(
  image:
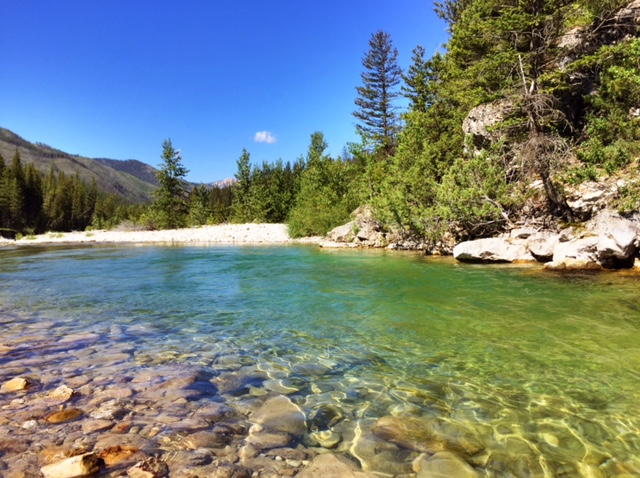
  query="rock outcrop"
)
[
  {"x": 481, "y": 120},
  {"x": 364, "y": 230}
]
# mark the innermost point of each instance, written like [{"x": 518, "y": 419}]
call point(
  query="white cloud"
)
[{"x": 264, "y": 137}]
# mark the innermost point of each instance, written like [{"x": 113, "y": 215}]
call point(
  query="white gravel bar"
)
[{"x": 218, "y": 234}]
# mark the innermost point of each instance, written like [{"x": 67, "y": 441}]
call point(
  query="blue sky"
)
[{"x": 115, "y": 78}]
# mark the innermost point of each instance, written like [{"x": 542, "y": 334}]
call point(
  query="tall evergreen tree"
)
[
  {"x": 416, "y": 87},
  {"x": 241, "y": 205},
  {"x": 379, "y": 122},
  {"x": 170, "y": 206},
  {"x": 33, "y": 197}
]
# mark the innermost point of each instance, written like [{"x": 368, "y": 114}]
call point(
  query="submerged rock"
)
[
  {"x": 115, "y": 455},
  {"x": 443, "y": 464},
  {"x": 74, "y": 467},
  {"x": 266, "y": 440},
  {"x": 280, "y": 414},
  {"x": 92, "y": 426},
  {"x": 217, "y": 438},
  {"x": 16, "y": 384},
  {"x": 427, "y": 435},
  {"x": 325, "y": 438},
  {"x": 375, "y": 453},
  {"x": 64, "y": 415},
  {"x": 329, "y": 465},
  {"x": 150, "y": 468},
  {"x": 60, "y": 394}
]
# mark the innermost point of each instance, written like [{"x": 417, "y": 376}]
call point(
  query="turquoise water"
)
[{"x": 544, "y": 368}]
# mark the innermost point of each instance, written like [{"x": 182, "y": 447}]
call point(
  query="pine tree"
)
[
  {"x": 16, "y": 196},
  {"x": 376, "y": 112},
  {"x": 242, "y": 189},
  {"x": 33, "y": 197},
  {"x": 199, "y": 208},
  {"x": 170, "y": 206},
  {"x": 420, "y": 81}
]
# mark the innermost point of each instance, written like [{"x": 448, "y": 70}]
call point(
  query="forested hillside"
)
[
  {"x": 526, "y": 101},
  {"x": 132, "y": 180}
]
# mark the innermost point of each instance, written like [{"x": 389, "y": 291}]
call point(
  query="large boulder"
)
[
  {"x": 344, "y": 233},
  {"x": 576, "y": 254},
  {"x": 617, "y": 236},
  {"x": 542, "y": 244},
  {"x": 493, "y": 249}
]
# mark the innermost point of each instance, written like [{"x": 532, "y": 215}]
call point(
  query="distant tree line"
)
[
  {"x": 31, "y": 202},
  {"x": 312, "y": 195}
]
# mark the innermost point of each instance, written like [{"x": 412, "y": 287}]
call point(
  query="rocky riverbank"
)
[{"x": 607, "y": 241}]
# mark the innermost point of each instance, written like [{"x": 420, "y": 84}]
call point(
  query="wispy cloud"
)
[{"x": 264, "y": 137}]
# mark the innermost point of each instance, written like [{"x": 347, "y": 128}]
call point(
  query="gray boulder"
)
[
  {"x": 542, "y": 244},
  {"x": 617, "y": 236},
  {"x": 491, "y": 250},
  {"x": 344, "y": 233},
  {"x": 575, "y": 254}
]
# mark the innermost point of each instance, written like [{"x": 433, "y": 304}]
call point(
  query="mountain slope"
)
[
  {"x": 133, "y": 167},
  {"x": 130, "y": 179}
]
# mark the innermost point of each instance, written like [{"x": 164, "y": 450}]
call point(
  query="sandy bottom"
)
[{"x": 219, "y": 234}]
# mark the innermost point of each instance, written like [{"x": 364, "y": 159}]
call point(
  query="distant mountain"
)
[
  {"x": 223, "y": 183},
  {"x": 132, "y": 179}
]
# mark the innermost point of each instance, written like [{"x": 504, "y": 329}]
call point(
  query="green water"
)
[{"x": 545, "y": 368}]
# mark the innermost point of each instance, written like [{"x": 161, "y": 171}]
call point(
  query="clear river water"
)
[{"x": 543, "y": 368}]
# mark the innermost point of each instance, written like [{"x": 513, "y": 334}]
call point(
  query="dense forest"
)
[{"x": 527, "y": 99}]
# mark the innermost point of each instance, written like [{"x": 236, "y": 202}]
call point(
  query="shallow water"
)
[{"x": 543, "y": 368}]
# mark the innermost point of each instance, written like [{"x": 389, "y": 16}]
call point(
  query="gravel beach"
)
[{"x": 218, "y": 234}]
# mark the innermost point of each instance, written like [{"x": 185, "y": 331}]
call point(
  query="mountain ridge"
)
[{"x": 132, "y": 179}]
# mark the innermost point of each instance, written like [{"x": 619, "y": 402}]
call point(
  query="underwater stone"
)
[
  {"x": 15, "y": 384},
  {"x": 282, "y": 415},
  {"x": 443, "y": 464},
  {"x": 427, "y": 435},
  {"x": 64, "y": 416},
  {"x": 74, "y": 467}
]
